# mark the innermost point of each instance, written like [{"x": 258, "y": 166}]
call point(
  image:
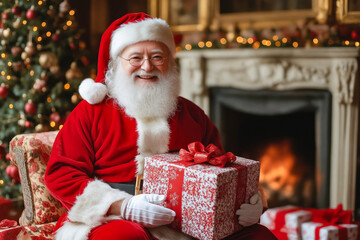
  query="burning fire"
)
[{"x": 281, "y": 174}]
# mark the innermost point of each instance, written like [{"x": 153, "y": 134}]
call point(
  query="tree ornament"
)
[
  {"x": 64, "y": 7},
  {"x": 56, "y": 36},
  {"x": 13, "y": 172},
  {"x": 16, "y": 50},
  {"x": 74, "y": 72},
  {"x": 48, "y": 59},
  {"x": 30, "y": 108},
  {"x": 55, "y": 117},
  {"x": 39, "y": 84},
  {"x": 24, "y": 55},
  {"x": 40, "y": 128},
  {"x": 55, "y": 69},
  {"x": 4, "y": 91},
  {"x": 7, "y": 33},
  {"x": 17, "y": 23},
  {"x": 27, "y": 124},
  {"x": 75, "y": 98},
  {"x": 31, "y": 13},
  {"x": 354, "y": 35},
  {"x": 21, "y": 122},
  {"x": 30, "y": 49},
  {"x": 5, "y": 15},
  {"x": 73, "y": 46},
  {"x": 16, "y": 10},
  {"x": 7, "y": 156}
]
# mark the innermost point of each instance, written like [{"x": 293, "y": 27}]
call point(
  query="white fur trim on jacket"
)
[
  {"x": 90, "y": 210},
  {"x": 93, "y": 92},
  {"x": 154, "y": 137},
  {"x": 150, "y": 29}
]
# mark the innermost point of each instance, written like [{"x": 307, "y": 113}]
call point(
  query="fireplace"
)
[
  {"x": 287, "y": 131},
  {"x": 315, "y": 90}
]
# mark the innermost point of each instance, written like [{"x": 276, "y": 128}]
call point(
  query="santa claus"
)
[{"x": 132, "y": 110}]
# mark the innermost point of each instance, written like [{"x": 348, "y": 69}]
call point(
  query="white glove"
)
[
  {"x": 249, "y": 214},
  {"x": 144, "y": 210}
]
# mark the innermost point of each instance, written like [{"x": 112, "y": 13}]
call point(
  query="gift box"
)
[
  {"x": 320, "y": 231},
  {"x": 285, "y": 222},
  {"x": 204, "y": 197}
]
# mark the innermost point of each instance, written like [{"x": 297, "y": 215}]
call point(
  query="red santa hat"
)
[{"x": 127, "y": 30}]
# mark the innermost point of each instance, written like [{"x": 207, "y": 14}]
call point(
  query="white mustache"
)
[{"x": 153, "y": 73}]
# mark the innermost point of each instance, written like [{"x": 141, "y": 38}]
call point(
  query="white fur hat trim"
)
[
  {"x": 150, "y": 29},
  {"x": 92, "y": 91}
]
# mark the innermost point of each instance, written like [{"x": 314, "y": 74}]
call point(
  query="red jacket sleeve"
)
[{"x": 70, "y": 167}]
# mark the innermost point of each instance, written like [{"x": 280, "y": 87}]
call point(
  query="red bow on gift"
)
[
  {"x": 211, "y": 154},
  {"x": 332, "y": 216}
]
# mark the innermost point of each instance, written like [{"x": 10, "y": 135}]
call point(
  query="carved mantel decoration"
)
[{"x": 334, "y": 69}]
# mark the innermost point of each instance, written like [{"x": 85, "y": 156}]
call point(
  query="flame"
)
[{"x": 278, "y": 172}]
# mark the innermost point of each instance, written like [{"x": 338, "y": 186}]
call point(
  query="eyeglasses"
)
[{"x": 156, "y": 60}]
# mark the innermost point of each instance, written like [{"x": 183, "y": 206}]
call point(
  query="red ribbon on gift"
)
[
  {"x": 332, "y": 217},
  {"x": 211, "y": 154}
]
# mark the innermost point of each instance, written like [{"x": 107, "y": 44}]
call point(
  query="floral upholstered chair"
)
[{"x": 30, "y": 153}]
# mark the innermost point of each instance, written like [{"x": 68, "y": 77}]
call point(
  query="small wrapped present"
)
[
  {"x": 204, "y": 197},
  {"x": 320, "y": 231},
  {"x": 332, "y": 223},
  {"x": 285, "y": 221}
]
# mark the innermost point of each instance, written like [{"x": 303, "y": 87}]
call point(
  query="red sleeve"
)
[{"x": 70, "y": 167}]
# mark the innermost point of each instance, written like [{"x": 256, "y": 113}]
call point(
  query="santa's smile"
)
[{"x": 147, "y": 78}]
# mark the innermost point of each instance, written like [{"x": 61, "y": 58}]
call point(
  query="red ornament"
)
[
  {"x": 30, "y": 108},
  {"x": 56, "y": 37},
  {"x": 3, "y": 91},
  {"x": 55, "y": 117},
  {"x": 13, "y": 172},
  {"x": 16, "y": 10},
  {"x": 31, "y": 13},
  {"x": 5, "y": 15},
  {"x": 27, "y": 124},
  {"x": 354, "y": 35},
  {"x": 73, "y": 46},
  {"x": 7, "y": 156},
  {"x": 85, "y": 61},
  {"x": 16, "y": 50}
]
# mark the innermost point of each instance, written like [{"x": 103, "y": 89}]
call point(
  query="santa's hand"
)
[
  {"x": 144, "y": 210},
  {"x": 249, "y": 214}
]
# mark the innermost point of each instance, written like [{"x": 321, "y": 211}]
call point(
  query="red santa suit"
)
[{"x": 100, "y": 141}]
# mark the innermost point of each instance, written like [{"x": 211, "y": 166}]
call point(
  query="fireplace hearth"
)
[
  {"x": 287, "y": 131},
  {"x": 333, "y": 71}
]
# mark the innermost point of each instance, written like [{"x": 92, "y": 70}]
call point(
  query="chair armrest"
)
[{"x": 31, "y": 152}]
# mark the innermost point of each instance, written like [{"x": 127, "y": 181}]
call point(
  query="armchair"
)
[{"x": 30, "y": 153}]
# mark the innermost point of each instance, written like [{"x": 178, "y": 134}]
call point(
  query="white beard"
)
[{"x": 145, "y": 100}]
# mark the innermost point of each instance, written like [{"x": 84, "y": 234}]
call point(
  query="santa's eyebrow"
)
[{"x": 157, "y": 51}]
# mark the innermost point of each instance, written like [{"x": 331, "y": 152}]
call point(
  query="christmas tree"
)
[{"x": 42, "y": 62}]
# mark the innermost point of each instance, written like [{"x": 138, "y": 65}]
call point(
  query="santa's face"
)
[
  {"x": 145, "y": 57},
  {"x": 149, "y": 90}
]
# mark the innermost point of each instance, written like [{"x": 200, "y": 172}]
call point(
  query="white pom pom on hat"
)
[{"x": 127, "y": 30}]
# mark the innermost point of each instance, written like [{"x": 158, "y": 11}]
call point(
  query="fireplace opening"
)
[{"x": 287, "y": 131}]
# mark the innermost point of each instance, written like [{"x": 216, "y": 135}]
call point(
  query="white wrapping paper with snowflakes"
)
[
  {"x": 204, "y": 197},
  {"x": 320, "y": 231},
  {"x": 286, "y": 221}
]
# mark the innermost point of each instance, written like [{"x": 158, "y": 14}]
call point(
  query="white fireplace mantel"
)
[{"x": 334, "y": 69}]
